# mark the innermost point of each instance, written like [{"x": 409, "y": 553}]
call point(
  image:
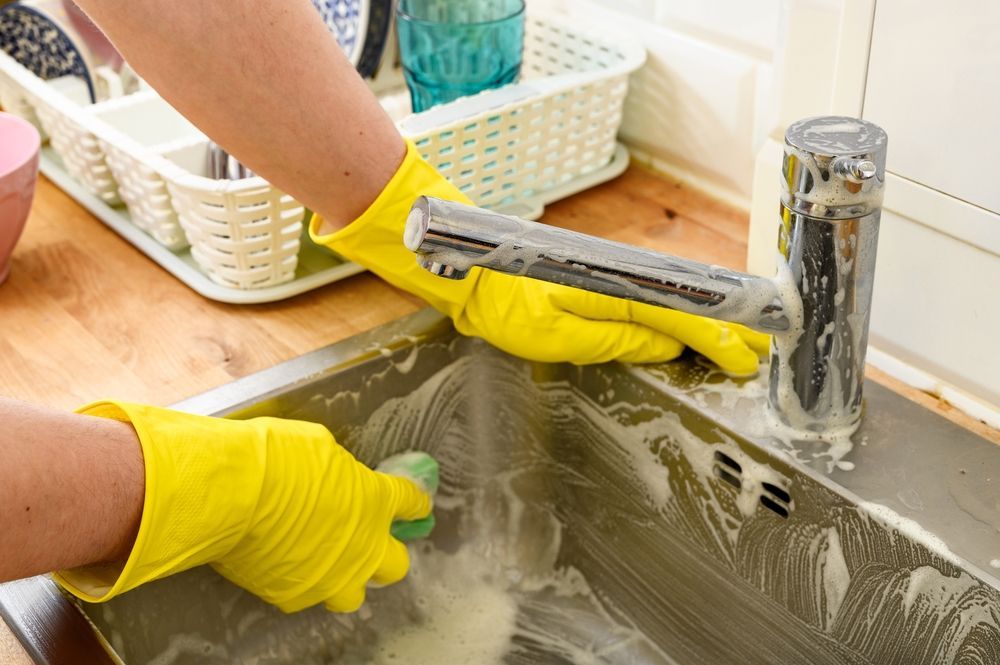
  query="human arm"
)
[{"x": 71, "y": 489}]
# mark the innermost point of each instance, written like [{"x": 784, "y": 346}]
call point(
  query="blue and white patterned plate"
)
[
  {"x": 41, "y": 45},
  {"x": 379, "y": 19},
  {"x": 348, "y": 21}
]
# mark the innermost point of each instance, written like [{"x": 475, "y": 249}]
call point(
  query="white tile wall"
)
[
  {"x": 748, "y": 25},
  {"x": 693, "y": 106},
  {"x": 701, "y": 105},
  {"x": 645, "y": 9}
]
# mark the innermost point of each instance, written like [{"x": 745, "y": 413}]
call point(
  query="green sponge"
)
[{"x": 422, "y": 469}]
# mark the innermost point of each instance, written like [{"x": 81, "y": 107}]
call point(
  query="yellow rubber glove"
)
[
  {"x": 525, "y": 317},
  {"x": 276, "y": 506}
]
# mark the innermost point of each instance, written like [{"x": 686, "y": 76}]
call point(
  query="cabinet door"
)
[{"x": 934, "y": 85}]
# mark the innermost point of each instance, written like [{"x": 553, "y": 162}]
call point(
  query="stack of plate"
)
[
  {"x": 40, "y": 36},
  {"x": 361, "y": 27}
]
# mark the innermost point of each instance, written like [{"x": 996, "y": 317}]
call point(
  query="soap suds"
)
[
  {"x": 502, "y": 592},
  {"x": 910, "y": 529},
  {"x": 460, "y": 613},
  {"x": 723, "y": 394},
  {"x": 562, "y": 511}
]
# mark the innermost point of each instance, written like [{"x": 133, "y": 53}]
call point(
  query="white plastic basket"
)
[
  {"x": 136, "y": 130},
  {"x": 244, "y": 234},
  {"x": 500, "y": 147},
  {"x": 558, "y": 123},
  {"x": 144, "y": 191},
  {"x": 12, "y": 100},
  {"x": 60, "y": 118}
]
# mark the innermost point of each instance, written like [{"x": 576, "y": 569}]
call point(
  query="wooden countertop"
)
[{"x": 85, "y": 316}]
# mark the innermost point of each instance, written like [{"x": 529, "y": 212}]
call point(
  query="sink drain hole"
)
[
  {"x": 778, "y": 492},
  {"x": 724, "y": 474},
  {"x": 776, "y": 499},
  {"x": 723, "y": 458},
  {"x": 728, "y": 469},
  {"x": 774, "y": 506}
]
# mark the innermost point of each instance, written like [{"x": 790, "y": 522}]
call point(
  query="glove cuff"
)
[
  {"x": 203, "y": 478},
  {"x": 375, "y": 239}
]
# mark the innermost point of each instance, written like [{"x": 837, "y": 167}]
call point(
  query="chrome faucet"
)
[{"x": 816, "y": 308}]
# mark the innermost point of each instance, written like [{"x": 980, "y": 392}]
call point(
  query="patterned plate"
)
[
  {"x": 347, "y": 20},
  {"x": 379, "y": 18},
  {"x": 40, "y": 45}
]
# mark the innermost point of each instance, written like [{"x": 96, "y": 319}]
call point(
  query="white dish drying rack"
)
[{"x": 516, "y": 149}]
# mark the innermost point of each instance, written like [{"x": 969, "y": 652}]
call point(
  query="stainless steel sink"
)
[{"x": 597, "y": 514}]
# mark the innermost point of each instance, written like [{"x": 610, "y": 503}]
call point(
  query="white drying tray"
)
[{"x": 317, "y": 266}]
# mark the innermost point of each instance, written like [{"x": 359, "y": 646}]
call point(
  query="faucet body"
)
[{"x": 816, "y": 308}]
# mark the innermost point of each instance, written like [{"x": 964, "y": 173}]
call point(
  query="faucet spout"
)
[
  {"x": 816, "y": 308},
  {"x": 450, "y": 238}
]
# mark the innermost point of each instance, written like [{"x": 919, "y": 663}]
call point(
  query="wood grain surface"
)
[{"x": 85, "y": 316}]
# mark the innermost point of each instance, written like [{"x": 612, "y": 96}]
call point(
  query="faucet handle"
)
[
  {"x": 854, "y": 170},
  {"x": 834, "y": 167}
]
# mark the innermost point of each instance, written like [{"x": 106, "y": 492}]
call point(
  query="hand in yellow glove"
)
[
  {"x": 525, "y": 317},
  {"x": 276, "y": 506}
]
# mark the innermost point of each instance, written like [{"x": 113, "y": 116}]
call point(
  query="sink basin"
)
[{"x": 597, "y": 514}]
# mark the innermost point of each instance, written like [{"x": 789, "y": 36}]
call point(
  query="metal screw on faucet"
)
[{"x": 855, "y": 170}]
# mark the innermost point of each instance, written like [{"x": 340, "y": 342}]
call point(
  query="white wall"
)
[
  {"x": 700, "y": 107},
  {"x": 948, "y": 91}
]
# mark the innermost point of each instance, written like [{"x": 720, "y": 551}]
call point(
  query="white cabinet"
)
[{"x": 934, "y": 86}]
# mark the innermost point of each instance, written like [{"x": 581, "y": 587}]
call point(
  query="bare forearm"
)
[
  {"x": 265, "y": 80},
  {"x": 71, "y": 489}
]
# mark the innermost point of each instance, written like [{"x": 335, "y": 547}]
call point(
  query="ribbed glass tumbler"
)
[{"x": 454, "y": 48}]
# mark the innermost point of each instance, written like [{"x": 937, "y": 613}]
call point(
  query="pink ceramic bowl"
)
[{"x": 19, "y": 144}]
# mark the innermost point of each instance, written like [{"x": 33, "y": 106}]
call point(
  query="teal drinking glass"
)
[{"x": 454, "y": 48}]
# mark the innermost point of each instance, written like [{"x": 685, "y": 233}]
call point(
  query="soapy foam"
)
[
  {"x": 508, "y": 534},
  {"x": 839, "y": 392},
  {"x": 723, "y": 394},
  {"x": 824, "y": 139},
  {"x": 460, "y": 616},
  {"x": 189, "y": 646},
  {"x": 910, "y": 529},
  {"x": 671, "y": 470},
  {"x": 503, "y": 590}
]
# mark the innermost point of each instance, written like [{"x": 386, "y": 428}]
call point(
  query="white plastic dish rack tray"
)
[{"x": 140, "y": 167}]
